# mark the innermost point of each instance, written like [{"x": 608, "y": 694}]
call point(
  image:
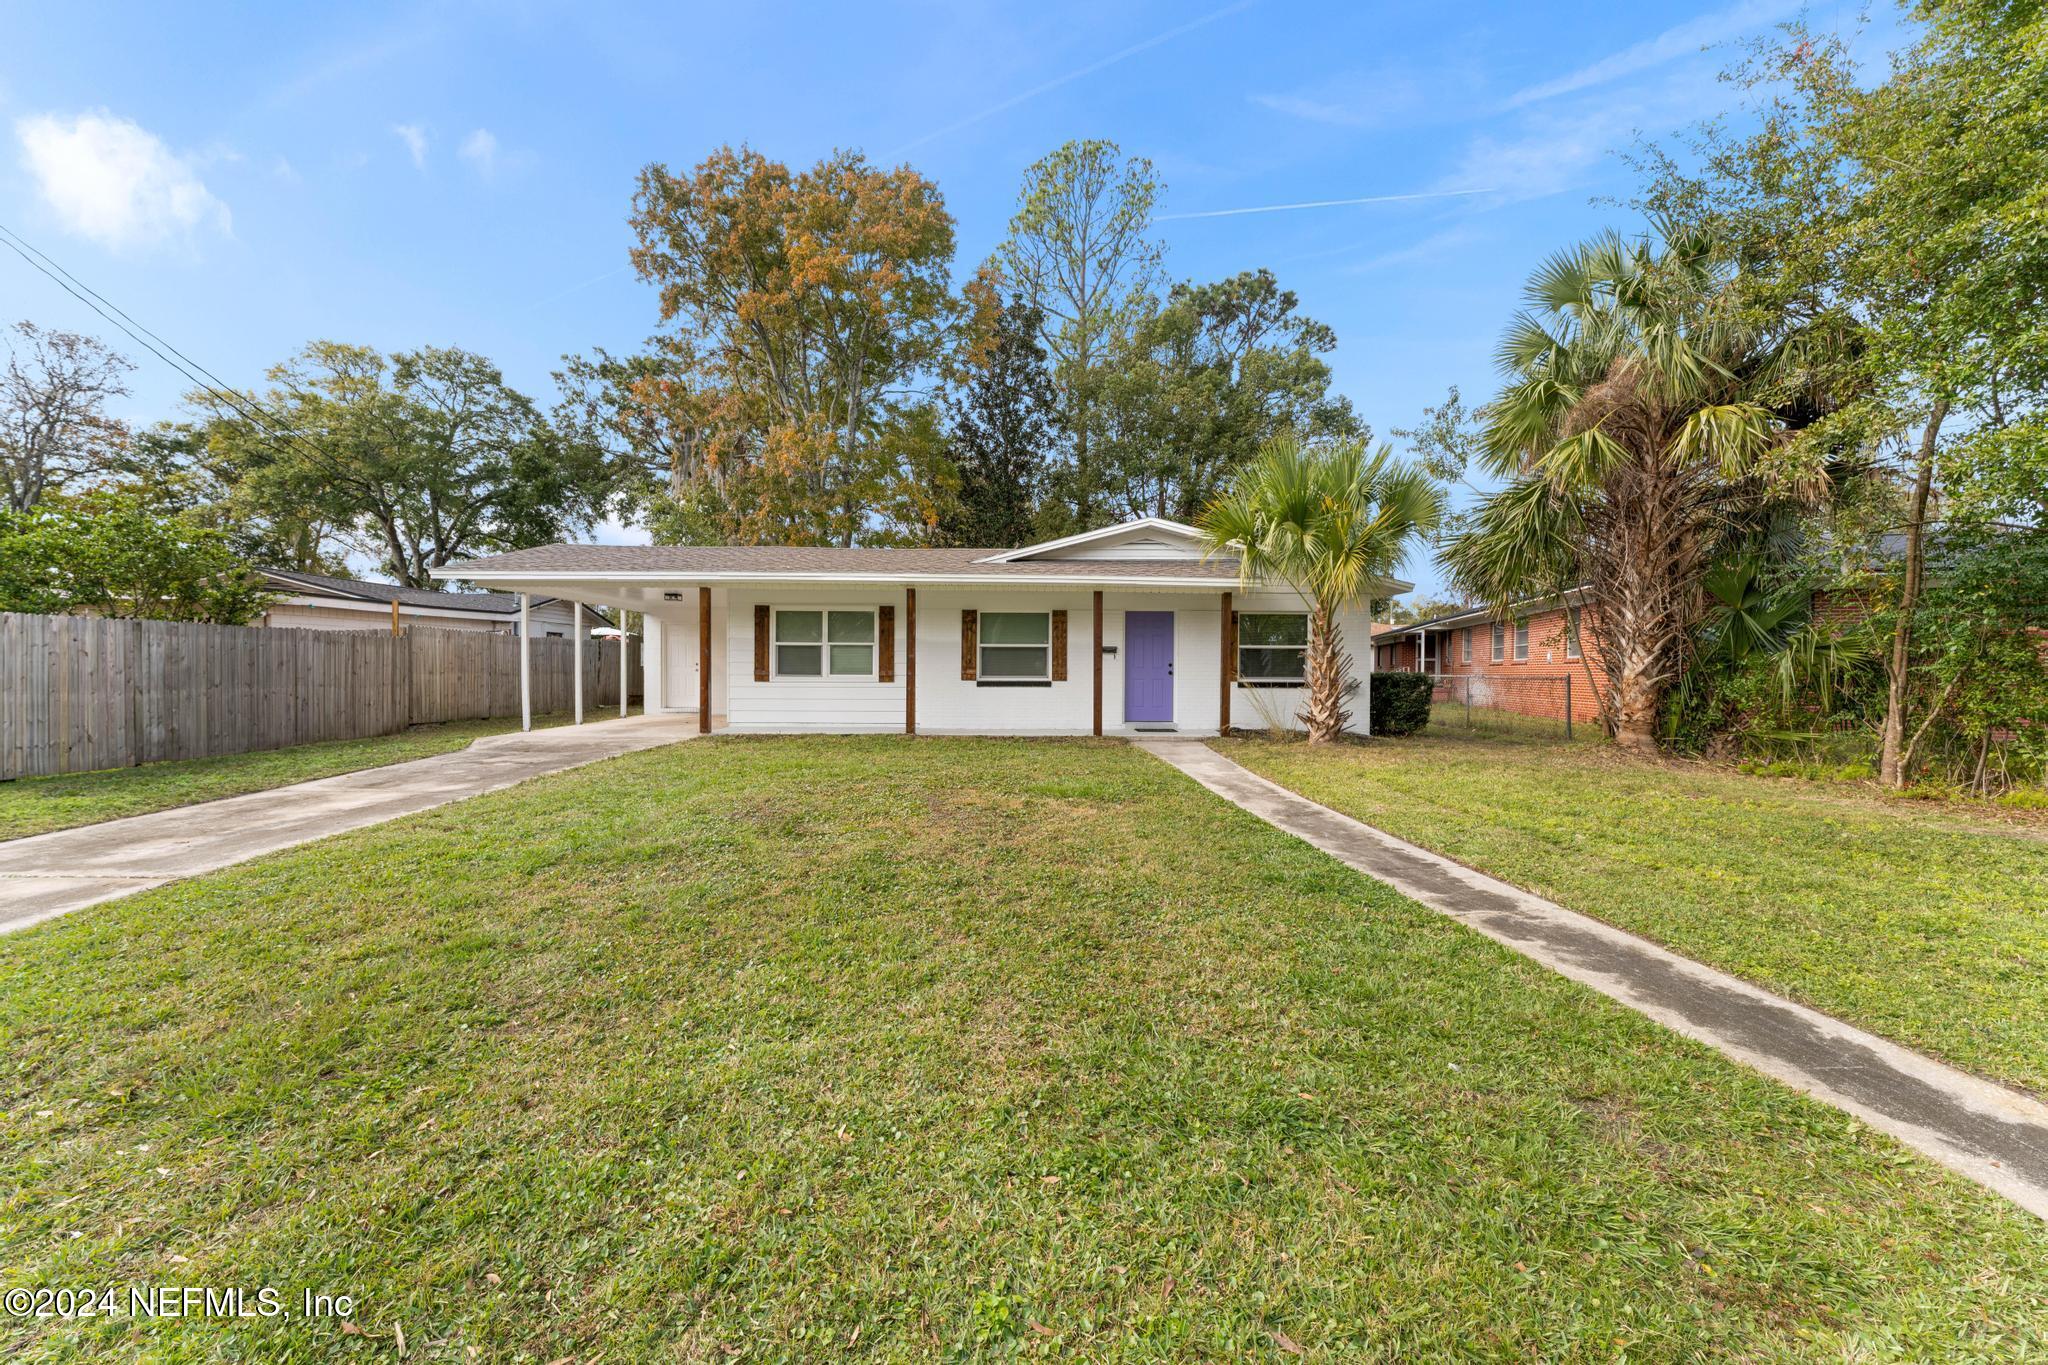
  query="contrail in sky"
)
[
  {"x": 1056, "y": 82},
  {"x": 1320, "y": 204},
  {"x": 577, "y": 288}
]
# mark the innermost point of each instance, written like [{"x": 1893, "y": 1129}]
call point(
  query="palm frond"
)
[
  {"x": 1581, "y": 463},
  {"x": 1732, "y": 437},
  {"x": 1521, "y": 543}
]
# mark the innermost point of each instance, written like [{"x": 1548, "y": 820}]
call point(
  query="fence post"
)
[{"x": 1567, "y": 706}]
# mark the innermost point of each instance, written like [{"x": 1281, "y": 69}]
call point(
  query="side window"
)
[
  {"x": 1571, "y": 634},
  {"x": 1465, "y": 646},
  {"x": 1499, "y": 641},
  {"x": 1521, "y": 642},
  {"x": 1271, "y": 646}
]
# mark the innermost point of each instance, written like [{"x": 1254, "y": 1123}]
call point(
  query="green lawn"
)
[
  {"x": 804, "y": 1049},
  {"x": 1926, "y": 923},
  {"x": 37, "y": 805}
]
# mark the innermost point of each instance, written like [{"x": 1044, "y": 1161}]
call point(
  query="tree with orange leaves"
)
[{"x": 802, "y": 314}]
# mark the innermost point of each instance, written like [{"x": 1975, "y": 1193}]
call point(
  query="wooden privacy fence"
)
[{"x": 79, "y": 693}]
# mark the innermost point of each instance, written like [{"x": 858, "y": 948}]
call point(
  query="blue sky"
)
[{"x": 246, "y": 179}]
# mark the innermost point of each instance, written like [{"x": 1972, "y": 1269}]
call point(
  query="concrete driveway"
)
[{"x": 47, "y": 875}]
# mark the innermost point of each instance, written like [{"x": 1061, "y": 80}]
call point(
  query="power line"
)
[{"x": 150, "y": 341}]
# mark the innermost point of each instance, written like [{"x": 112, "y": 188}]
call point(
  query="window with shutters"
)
[
  {"x": 1015, "y": 646},
  {"x": 1271, "y": 646},
  {"x": 817, "y": 644}
]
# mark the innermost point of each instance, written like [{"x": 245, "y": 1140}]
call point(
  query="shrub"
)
[{"x": 1400, "y": 702}]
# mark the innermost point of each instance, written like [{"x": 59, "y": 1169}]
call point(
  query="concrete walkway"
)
[
  {"x": 46, "y": 875},
  {"x": 1993, "y": 1135}
]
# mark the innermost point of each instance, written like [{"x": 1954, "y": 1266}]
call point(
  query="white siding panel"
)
[
  {"x": 946, "y": 702},
  {"x": 1260, "y": 707},
  {"x": 841, "y": 705}
]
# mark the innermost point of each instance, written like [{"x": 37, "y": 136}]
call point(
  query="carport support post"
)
[
  {"x": 703, "y": 660},
  {"x": 576, "y": 654},
  {"x": 525, "y": 662},
  {"x": 625, "y": 688}
]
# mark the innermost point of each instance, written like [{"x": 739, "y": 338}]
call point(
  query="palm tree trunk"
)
[
  {"x": 1637, "y": 699},
  {"x": 1329, "y": 673}
]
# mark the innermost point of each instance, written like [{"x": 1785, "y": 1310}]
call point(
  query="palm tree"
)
[
  {"x": 1331, "y": 522},
  {"x": 1642, "y": 435}
]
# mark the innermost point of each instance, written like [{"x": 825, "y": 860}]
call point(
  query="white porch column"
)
[
  {"x": 525, "y": 662},
  {"x": 653, "y": 663},
  {"x": 625, "y": 684},
  {"x": 576, "y": 653},
  {"x": 1372, "y": 655}
]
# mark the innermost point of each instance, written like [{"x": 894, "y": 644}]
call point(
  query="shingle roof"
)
[
  {"x": 491, "y": 603},
  {"x": 778, "y": 560}
]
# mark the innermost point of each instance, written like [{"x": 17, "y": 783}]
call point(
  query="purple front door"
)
[{"x": 1148, "y": 666}]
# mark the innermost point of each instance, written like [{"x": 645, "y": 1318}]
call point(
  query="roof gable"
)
[{"x": 1146, "y": 538}]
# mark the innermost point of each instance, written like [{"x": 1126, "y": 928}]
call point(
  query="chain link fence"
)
[{"x": 1538, "y": 706}]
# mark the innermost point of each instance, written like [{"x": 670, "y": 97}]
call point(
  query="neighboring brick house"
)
[{"x": 1527, "y": 662}]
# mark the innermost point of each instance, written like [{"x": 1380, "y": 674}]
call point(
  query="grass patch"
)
[
  {"x": 37, "y": 805},
  {"x": 1925, "y": 923},
  {"x": 882, "y": 1048}
]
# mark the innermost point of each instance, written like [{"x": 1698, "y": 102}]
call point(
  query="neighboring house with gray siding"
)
[{"x": 310, "y": 601}]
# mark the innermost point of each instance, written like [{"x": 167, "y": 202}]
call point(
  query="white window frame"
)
[
  {"x": 1302, "y": 649},
  {"x": 982, "y": 646},
  {"x": 1572, "y": 649},
  {"x": 824, "y": 645},
  {"x": 1465, "y": 646},
  {"x": 1500, "y": 642},
  {"x": 1522, "y": 641}
]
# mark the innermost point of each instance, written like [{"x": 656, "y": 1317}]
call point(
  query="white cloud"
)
[
  {"x": 1435, "y": 247},
  {"x": 1684, "y": 40},
  {"x": 415, "y": 139},
  {"x": 114, "y": 182},
  {"x": 1387, "y": 97},
  {"x": 480, "y": 149},
  {"x": 1553, "y": 149}
]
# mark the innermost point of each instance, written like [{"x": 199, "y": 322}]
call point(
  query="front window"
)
[
  {"x": 811, "y": 644},
  {"x": 1499, "y": 639},
  {"x": 1465, "y": 645},
  {"x": 1016, "y": 645},
  {"x": 1272, "y": 646},
  {"x": 1571, "y": 634},
  {"x": 1521, "y": 642}
]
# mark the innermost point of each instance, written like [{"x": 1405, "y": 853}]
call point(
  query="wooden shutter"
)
[
  {"x": 1059, "y": 646},
  {"x": 761, "y": 642},
  {"x": 885, "y": 643},
  {"x": 970, "y": 632}
]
